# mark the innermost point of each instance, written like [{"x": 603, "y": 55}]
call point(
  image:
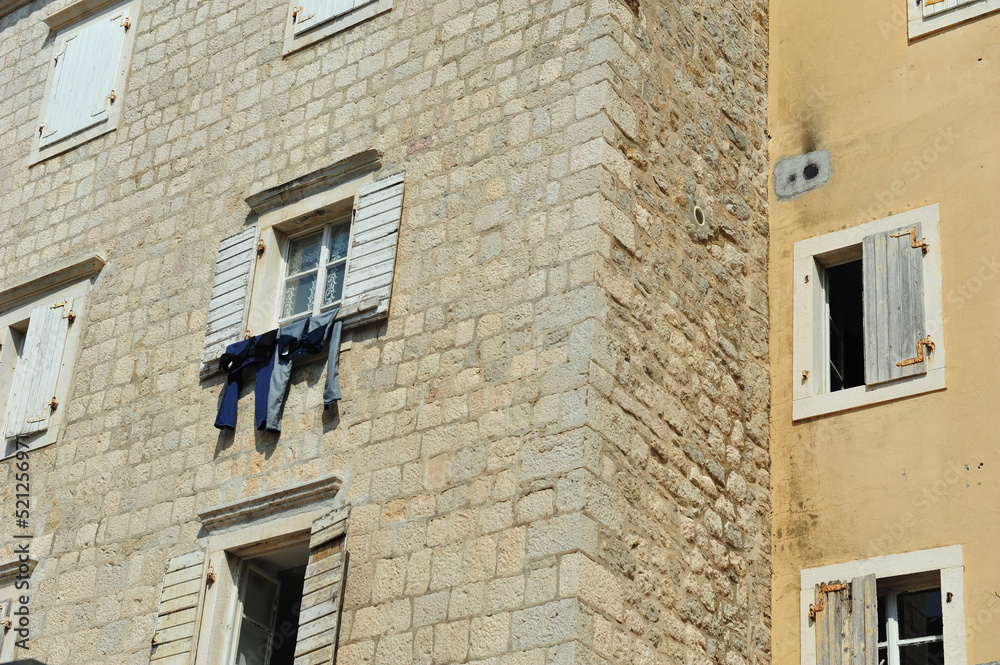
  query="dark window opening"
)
[
  {"x": 847, "y": 335},
  {"x": 270, "y": 601},
  {"x": 911, "y": 627}
]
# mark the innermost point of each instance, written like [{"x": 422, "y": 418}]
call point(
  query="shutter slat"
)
[
  {"x": 177, "y": 613},
  {"x": 374, "y": 240},
  {"x": 84, "y": 76},
  {"x": 323, "y": 590},
  {"x": 230, "y": 298},
  {"x": 893, "y": 304},
  {"x": 315, "y": 13}
]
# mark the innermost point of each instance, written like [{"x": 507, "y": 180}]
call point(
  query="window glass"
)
[
  {"x": 922, "y": 654},
  {"x": 919, "y": 613}
]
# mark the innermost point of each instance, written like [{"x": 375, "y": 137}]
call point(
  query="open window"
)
[
  {"x": 867, "y": 318},
  {"x": 903, "y": 609},
  {"x": 327, "y": 239}
]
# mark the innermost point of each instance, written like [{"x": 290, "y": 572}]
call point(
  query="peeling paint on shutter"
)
[
  {"x": 373, "y": 248},
  {"x": 227, "y": 309},
  {"x": 177, "y": 614},
  {"x": 893, "y": 303},
  {"x": 323, "y": 591},
  {"x": 846, "y": 616},
  {"x": 84, "y": 75},
  {"x": 312, "y": 13},
  {"x": 37, "y": 372}
]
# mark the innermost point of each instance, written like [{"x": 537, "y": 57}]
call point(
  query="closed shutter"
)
[
  {"x": 227, "y": 310},
  {"x": 177, "y": 614},
  {"x": 83, "y": 79},
  {"x": 846, "y": 616},
  {"x": 932, "y": 7},
  {"x": 373, "y": 247},
  {"x": 37, "y": 373},
  {"x": 312, "y": 13},
  {"x": 894, "y": 304},
  {"x": 323, "y": 591}
]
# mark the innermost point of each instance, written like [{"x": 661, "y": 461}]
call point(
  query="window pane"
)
[
  {"x": 299, "y": 295},
  {"x": 334, "y": 283},
  {"x": 259, "y": 597},
  {"x": 882, "y": 619},
  {"x": 340, "y": 235},
  {"x": 303, "y": 253},
  {"x": 847, "y": 339},
  {"x": 252, "y": 647},
  {"x": 883, "y": 656},
  {"x": 922, "y": 654},
  {"x": 919, "y": 613}
]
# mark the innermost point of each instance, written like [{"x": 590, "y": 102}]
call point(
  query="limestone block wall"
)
[{"x": 555, "y": 447}]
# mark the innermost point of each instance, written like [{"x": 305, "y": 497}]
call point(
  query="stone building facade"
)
[{"x": 553, "y": 445}]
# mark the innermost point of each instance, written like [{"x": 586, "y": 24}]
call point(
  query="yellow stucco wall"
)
[{"x": 907, "y": 124}]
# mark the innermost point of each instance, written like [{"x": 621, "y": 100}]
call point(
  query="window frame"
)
[
  {"x": 811, "y": 396},
  {"x": 893, "y": 641},
  {"x": 918, "y": 26},
  {"x": 329, "y": 27},
  {"x": 945, "y": 560},
  {"x": 15, "y": 315},
  {"x": 63, "y": 23},
  {"x": 336, "y": 219}
]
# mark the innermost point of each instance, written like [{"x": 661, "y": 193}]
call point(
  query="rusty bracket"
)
[
  {"x": 210, "y": 576},
  {"x": 53, "y": 404},
  {"x": 127, "y": 23},
  {"x": 260, "y": 247},
  {"x": 823, "y": 590},
  {"x": 914, "y": 243},
  {"x": 6, "y": 623},
  {"x": 919, "y": 358}
]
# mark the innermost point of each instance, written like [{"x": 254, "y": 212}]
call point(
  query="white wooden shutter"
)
[
  {"x": 37, "y": 371},
  {"x": 227, "y": 309},
  {"x": 932, "y": 7},
  {"x": 86, "y": 67},
  {"x": 312, "y": 13},
  {"x": 846, "y": 616},
  {"x": 323, "y": 591},
  {"x": 177, "y": 614},
  {"x": 373, "y": 246},
  {"x": 893, "y": 304}
]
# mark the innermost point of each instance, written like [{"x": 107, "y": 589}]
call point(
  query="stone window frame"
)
[
  {"x": 918, "y": 26},
  {"x": 61, "y": 22},
  {"x": 328, "y": 28},
  {"x": 809, "y": 326},
  {"x": 945, "y": 560},
  {"x": 72, "y": 279},
  {"x": 245, "y": 529}
]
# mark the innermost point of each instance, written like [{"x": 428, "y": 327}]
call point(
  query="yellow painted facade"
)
[{"x": 908, "y": 123}]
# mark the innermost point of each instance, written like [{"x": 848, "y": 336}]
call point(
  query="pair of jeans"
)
[
  {"x": 304, "y": 337},
  {"x": 257, "y": 354}
]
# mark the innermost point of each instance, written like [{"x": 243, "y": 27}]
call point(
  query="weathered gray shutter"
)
[
  {"x": 846, "y": 616},
  {"x": 84, "y": 77},
  {"x": 373, "y": 247},
  {"x": 894, "y": 304},
  {"x": 177, "y": 614},
  {"x": 312, "y": 13},
  {"x": 37, "y": 373},
  {"x": 227, "y": 310},
  {"x": 323, "y": 592}
]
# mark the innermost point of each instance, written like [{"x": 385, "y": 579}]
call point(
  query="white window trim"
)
[
  {"x": 295, "y": 42},
  {"x": 19, "y": 312},
  {"x": 809, "y": 335},
  {"x": 72, "y": 18},
  {"x": 947, "y": 560},
  {"x": 918, "y": 26},
  {"x": 285, "y": 245}
]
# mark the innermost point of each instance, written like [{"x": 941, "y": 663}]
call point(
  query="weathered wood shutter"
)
[
  {"x": 894, "y": 304},
  {"x": 373, "y": 247},
  {"x": 86, "y": 66},
  {"x": 312, "y": 13},
  {"x": 846, "y": 616},
  {"x": 227, "y": 310},
  {"x": 323, "y": 592},
  {"x": 37, "y": 372},
  {"x": 177, "y": 615}
]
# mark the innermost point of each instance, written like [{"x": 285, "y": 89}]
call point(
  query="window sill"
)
[
  {"x": 852, "y": 398},
  {"x": 294, "y": 43}
]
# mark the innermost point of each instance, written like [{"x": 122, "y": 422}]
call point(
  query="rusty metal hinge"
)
[
  {"x": 127, "y": 23},
  {"x": 823, "y": 590},
  {"x": 210, "y": 576},
  {"x": 260, "y": 247},
  {"x": 914, "y": 243},
  {"x": 919, "y": 358}
]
